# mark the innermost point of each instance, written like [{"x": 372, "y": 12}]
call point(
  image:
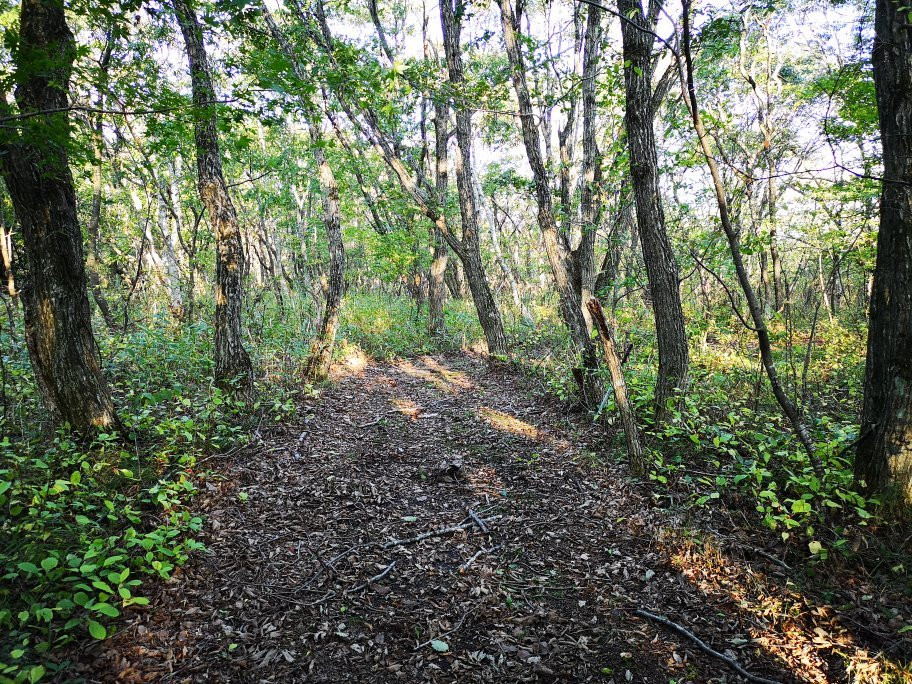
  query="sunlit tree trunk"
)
[
  {"x": 6, "y": 260},
  {"x": 885, "y": 451},
  {"x": 661, "y": 267},
  {"x": 93, "y": 229},
  {"x": 231, "y": 359},
  {"x": 58, "y": 324}
]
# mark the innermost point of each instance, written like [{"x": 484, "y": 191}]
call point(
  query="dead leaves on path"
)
[{"x": 434, "y": 520}]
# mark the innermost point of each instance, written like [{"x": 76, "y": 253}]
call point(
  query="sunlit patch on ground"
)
[
  {"x": 438, "y": 375},
  {"x": 807, "y": 638},
  {"x": 407, "y": 408},
  {"x": 507, "y": 423}
]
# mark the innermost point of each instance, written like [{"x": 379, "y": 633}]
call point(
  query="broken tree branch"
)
[{"x": 733, "y": 664}]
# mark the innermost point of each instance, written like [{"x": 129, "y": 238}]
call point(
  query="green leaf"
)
[
  {"x": 97, "y": 630},
  {"x": 30, "y": 568},
  {"x": 49, "y": 563},
  {"x": 440, "y": 646},
  {"x": 106, "y": 609},
  {"x": 815, "y": 547},
  {"x": 36, "y": 673}
]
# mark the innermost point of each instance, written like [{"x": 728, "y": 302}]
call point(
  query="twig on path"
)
[
  {"x": 433, "y": 533},
  {"x": 393, "y": 543},
  {"x": 733, "y": 664},
  {"x": 227, "y": 454},
  {"x": 465, "y": 566},
  {"x": 376, "y": 578},
  {"x": 478, "y": 521},
  {"x": 770, "y": 557}
]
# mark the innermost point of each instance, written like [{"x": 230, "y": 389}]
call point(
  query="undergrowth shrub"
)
[{"x": 84, "y": 525}]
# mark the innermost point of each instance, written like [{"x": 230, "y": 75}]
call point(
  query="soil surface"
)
[{"x": 439, "y": 519}]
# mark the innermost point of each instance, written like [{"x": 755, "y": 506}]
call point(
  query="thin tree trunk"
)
[
  {"x": 440, "y": 257},
  {"x": 628, "y": 419},
  {"x": 6, "y": 260},
  {"x": 232, "y": 362},
  {"x": 885, "y": 450},
  {"x": 753, "y": 305},
  {"x": 661, "y": 267},
  {"x": 321, "y": 350},
  {"x": 488, "y": 312},
  {"x": 93, "y": 229},
  {"x": 559, "y": 256},
  {"x": 590, "y": 204},
  {"x": 58, "y": 325}
]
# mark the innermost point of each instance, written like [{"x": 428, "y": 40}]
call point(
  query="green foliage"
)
[
  {"x": 83, "y": 526},
  {"x": 387, "y": 326}
]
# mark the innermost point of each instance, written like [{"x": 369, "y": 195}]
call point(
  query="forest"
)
[{"x": 456, "y": 341}]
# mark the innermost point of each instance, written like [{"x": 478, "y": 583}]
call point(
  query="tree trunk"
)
[
  {"x": 734, "y": 243},
  {"x": 885, "y": 451},
  {"x": 556, "y": 247},
  {"x": 6, "y": 260},
  {"x": 231, "y": 360},
  {"x": 661, "y": 267},
  {"x": 58, "y": 325},
  {"x": 628, "y": 419},
  {"x": 488, "y": 313},
  {"x": 590, "y": 204},
  {"x": 321, "y": 350},
  {"x": 93, "y": 229},
  {"x": 440, "y": 257}
]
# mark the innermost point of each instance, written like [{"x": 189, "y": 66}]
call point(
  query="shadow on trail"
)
[{"x": 436, "y": 520}]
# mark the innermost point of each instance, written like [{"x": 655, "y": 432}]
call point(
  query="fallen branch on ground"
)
[
  {"x": 376, "y": 578},
  {"x": 733, "y": 664},
  {"x": 478, "y": 521},
  {"x": 465, "y": 566}
]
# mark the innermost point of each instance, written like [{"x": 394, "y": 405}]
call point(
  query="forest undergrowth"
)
[{"x": 94, "y": 531}]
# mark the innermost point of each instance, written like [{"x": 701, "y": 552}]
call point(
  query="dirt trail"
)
[{"x": 314, "y": 571}]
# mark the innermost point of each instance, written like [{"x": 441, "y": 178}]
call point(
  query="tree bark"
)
[
  {"x": 661, "y": 267},
  {"x": 590, "y": 204},
  {"x": 440, "y": 256},
  {"x": 232, "y": 363},
  {"x": 92, "y": 265},
  {"x": 488, "y": 312},
  {"x": 884, "y": 455},
  {"x": 58, "y": 325},
  {"x": 566, "y": 279},
  {"x": 320, "y": 359},
  {"x": 621, "y": 400}
]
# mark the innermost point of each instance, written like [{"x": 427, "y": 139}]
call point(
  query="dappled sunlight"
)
[
  {"x": 438, "y": 375},
  {"x": 805, "y": 637},
  {"x": 407, "y": 408},
  {"x": 456, "y": 378},
  {"x": 507, "y": 423}
]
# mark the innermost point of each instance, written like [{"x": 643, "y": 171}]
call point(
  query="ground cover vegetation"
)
[{"x": 470, "y": 341}]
